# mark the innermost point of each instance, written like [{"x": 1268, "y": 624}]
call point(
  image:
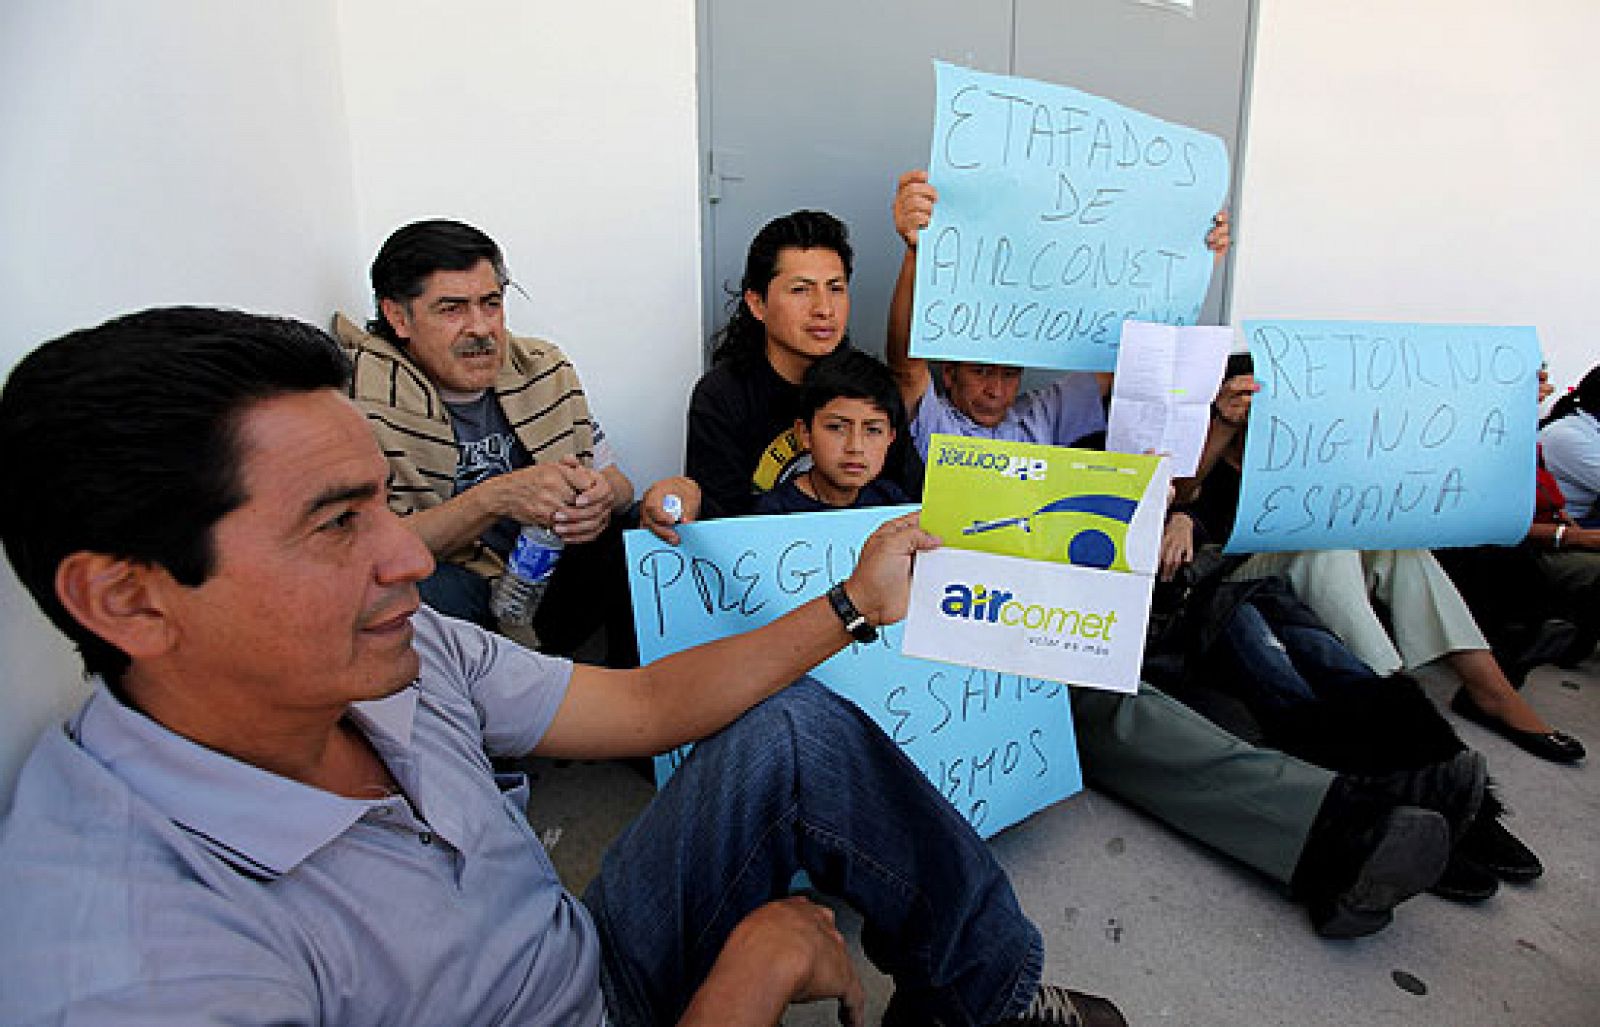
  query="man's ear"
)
[
  {"x": 398, "y": 317},
  {"x": 117, "y": 599},
  {"x": 802, "y": 431},
  {"x": 757, "y": 304},
  {"x": 947, "y": 376}
]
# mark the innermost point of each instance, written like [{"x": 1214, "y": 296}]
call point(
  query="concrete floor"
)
[{"x": 1177, "y": 934}]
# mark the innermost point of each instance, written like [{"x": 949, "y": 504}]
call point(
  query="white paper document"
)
[{"x": 1167, "y": 376}]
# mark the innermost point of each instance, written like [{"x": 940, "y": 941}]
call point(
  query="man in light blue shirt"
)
[
  {"x": 1570, "y": 446},
  {"x": 268, "y": 858},
  {"x": 278, "y": 804}
]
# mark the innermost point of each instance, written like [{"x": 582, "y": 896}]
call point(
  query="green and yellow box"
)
[{"x": 1039, "y": 502}]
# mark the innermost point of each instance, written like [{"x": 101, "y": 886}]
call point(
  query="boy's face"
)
[{"x": 848, "y": 439}]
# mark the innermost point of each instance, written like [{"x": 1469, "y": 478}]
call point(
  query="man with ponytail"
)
[{"x": 793, "y": 309}]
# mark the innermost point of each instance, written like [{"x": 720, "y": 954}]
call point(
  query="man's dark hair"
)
[
  {"x": 744, "y": 335},
  {"x": 123, "y": 440},
  {"x": 850, "y": 373},
  {"x": 400, "y": 270},
  {"x": 1585, "y": 396}
]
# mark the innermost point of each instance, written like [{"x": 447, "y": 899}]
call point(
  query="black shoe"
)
[
  {"x": 1465, "y": 880},
  {"x": 1454, "y": 788},
  {"x": 1054, "y": 1006},
  {"x": 1497, "y": 850},
  {"x": 1555, "y": 746},
  {"x": 1410, "y": 853}
]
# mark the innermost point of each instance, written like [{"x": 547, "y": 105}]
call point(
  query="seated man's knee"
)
[
  {"x": 808, "y": 718},
  {"x": 803, "y": 702}
]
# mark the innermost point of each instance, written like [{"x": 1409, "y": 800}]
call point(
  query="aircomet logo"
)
[
  {"x": 996, "y": 606},
  {"x": 1020, "y": 467}
]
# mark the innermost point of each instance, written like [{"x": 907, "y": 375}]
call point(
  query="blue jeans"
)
[
  {"x": 1294, "y": 664},
  {"x": 805, "y": 781},
  {"x": 588, "y": 591}
]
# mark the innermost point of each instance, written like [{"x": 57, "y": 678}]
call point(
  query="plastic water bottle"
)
[{"x": 533, "y": 559}]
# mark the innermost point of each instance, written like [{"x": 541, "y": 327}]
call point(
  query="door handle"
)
[{"x": 722, "y": 165}]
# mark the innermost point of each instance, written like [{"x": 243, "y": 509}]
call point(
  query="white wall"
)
[
  {"x": 1426, "y": 161},
  {"x": 180, "y": 151},
  {"x": 175, "y": 152},
  {"x": 192, "y": 151},
  {"x": 568, "y": 133}
]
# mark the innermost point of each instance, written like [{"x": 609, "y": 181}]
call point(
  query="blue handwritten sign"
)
[
  {"x": 1388, "y": 436},
  {"x": 998, "y": 746},
  {"x": 1060, "y": 215}
]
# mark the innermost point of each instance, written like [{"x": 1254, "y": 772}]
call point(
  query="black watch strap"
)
[{"x": 854, "y": 622}]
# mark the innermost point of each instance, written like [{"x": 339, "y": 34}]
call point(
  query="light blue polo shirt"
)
[
  {"x": 148, "y": 879},
  {"x": 1057, "y": 414},
  {"x": 1572, "y": 453}
]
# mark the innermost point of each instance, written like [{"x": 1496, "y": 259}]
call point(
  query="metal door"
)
[{"x": 823, "y": 104}]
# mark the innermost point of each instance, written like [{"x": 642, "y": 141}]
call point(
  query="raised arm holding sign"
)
[
  {"x": 986, "y": 399},
  {"x": 1061, "y": 214}
]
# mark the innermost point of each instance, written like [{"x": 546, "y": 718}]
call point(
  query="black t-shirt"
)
[
  {"x": 741, "y": 439},
  {"x": 787, "y": 498},
  {"x": 741, "y": 434}
]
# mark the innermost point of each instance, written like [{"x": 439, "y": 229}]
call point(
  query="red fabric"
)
[{"x": 1549, "y": 505}]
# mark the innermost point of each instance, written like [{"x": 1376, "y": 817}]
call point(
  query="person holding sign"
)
[
  {"x": 985, "y": 400},
  {"x": 1428, "y": 618},
  {"x": 278, "y": 803},
  {"x": 794, "y": 308},
  {"x": 1352, "y": 851},
  {"x": 850, "y": 414}
]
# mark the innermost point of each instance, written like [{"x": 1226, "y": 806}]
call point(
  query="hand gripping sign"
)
[{"x": 1060, "y": 215}]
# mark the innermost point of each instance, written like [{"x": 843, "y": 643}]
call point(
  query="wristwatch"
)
[{"x": 854, "y": 622}]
